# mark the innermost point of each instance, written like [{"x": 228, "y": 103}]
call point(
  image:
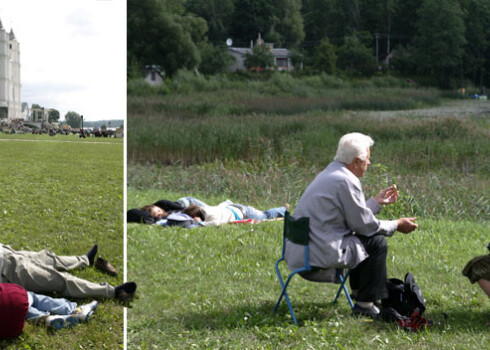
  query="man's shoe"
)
[
  {"x": 85, "y": 311},
  {"x": 124, "y": 296},
  {"x": 61, "y": 321},
  {"x": 105, "y": 266},
  {"x": 125, "y": 292},
  {"x": 371, "y": 312}
]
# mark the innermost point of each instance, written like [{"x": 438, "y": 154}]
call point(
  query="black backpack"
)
[{"x": 404, "y": 296}]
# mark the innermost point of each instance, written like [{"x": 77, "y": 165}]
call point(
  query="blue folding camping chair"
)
[{"x": 297, "y": 230}]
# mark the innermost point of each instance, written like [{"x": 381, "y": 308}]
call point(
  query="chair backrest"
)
[{"x": 297, "y": 230}]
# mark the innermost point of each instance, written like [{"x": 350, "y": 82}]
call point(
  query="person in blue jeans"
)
[
  {"x": 226, "y": 212},
  {"x": 57, "y": 313}
]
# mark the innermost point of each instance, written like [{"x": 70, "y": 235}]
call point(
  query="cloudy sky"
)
[{"x": 72, "y": 54}]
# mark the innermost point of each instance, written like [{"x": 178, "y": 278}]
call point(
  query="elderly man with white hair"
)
[{"x": 344, "y": 231}]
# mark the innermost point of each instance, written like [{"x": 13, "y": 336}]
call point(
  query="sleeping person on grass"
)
[
  {"x": 226, "y": 212},
  {"x": 189, "y": 211}
]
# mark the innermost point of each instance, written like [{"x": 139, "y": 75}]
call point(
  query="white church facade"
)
[{"x": 10, "y": 87}]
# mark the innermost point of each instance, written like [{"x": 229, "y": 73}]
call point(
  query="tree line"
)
[{"x": 445, "y": 41}]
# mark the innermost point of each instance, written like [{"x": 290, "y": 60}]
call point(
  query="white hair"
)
[{"x": 353, "y": 145}]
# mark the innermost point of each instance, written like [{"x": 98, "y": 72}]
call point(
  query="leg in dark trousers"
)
[{"x": 369, "y": 277}]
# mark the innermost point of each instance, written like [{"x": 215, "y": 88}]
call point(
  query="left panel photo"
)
[{"x": 62, "y": 113}]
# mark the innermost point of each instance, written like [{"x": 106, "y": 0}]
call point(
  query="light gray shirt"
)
[{"x": 338, "y": 212}]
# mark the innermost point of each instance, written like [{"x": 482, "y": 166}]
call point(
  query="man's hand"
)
[
  {"x": 387, "y": 196},
  {"x": 406, "y": 225}
]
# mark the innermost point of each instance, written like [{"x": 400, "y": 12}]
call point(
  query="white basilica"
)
[{"x": 10, "y": 103}]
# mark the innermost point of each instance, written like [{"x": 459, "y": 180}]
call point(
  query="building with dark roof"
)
[{"x": 282, "y": 57}]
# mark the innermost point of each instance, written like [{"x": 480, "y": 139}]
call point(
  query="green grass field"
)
[
  {"x": 65, "y": 194},
  {"x": 215, "y": 288}
]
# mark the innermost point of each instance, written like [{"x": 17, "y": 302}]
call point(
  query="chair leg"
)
[
  {"x": 283, "y": 291},
  {"x": 284, "y": 294},
  {"x": 343, "y": 280}
]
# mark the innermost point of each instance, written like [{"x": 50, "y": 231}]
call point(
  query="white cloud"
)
[{"x": 73, "y": 54}]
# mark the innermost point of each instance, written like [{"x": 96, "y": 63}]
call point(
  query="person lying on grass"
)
[
  {"x": 155, "y": 211},
  {"x": 57, "y": 313},
  {"x": 227, "y": 211},
  {"x": 18, "y": 305},
  {"x": 46, "y": 272},
  {"x": 344, "y": 231}
]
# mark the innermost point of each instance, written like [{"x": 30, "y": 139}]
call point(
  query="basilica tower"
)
[{"x": 10, "y": 99}]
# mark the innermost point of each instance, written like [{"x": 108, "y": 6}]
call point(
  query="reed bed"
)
[{"x": 266, "y": 148}]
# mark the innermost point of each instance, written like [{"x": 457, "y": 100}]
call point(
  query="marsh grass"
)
[
  {"x": 65, "y": 197},
  {"x": 216, "y": 288},
  {"x": 168, "y": 132}
]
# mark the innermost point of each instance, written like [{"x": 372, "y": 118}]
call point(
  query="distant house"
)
[
  {"x": 153, "y": 75},
  {"x": 39, "y": 115},
  {"x": 282, "y": 57}
]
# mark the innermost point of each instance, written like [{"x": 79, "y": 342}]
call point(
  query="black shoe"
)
[
  {"x": 368, "y": 312},
  {"x": 125, "y": 292},
  {"x": 91, "y": 254}
]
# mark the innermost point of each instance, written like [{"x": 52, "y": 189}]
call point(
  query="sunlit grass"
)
[
  {"x": 65, "y": 197},
  {"x": 216, "y": 288}
]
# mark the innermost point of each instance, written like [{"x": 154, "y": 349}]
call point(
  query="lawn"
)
[
  {"x": 215, "y": 287},
  {"x": 65, "y": 194}
]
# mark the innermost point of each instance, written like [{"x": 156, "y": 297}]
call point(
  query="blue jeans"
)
[
  {"x": 252, "y": 213},
  {"x": 186, "y": 201},
  {"x": 42, "y": 305}
]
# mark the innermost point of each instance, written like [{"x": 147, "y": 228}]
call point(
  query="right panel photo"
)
[{"x": 308, "y": 174}]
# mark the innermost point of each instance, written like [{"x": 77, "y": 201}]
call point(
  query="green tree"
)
[
  {"x": 403, "y": 60},
  {"x": 477, "y": 50},
  {"x": 73, "y": 119},
  {"x": 404, "y": 24},
  {"x": 261, "y": 57},
  {"x": 287, "y": 23},
  {"x": 217, "y": 15},
  {"x": 325, "y": 58},
  {"x": 350, "y": 15},
  {"x": 161, "y": 38},
  {"x": 355, "y": 57},
  {"x": 335, "y": 19},
  {"x": 377, "y": 19},
  {"x": 316, "y": 17},
  {"x": 215, "y": 59},
  {"x": 250, "y": 18},
  {"x": 53, "y": 116},
  {"x": 440, "y": 40}
]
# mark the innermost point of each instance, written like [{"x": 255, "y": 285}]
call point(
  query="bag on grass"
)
[{"x": 404, "y": 296}]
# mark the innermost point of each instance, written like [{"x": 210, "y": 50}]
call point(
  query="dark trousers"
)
[{"x": 369, "y": 277}]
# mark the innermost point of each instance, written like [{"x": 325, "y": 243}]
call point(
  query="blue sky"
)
[{"x": 72, "y": 53}]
